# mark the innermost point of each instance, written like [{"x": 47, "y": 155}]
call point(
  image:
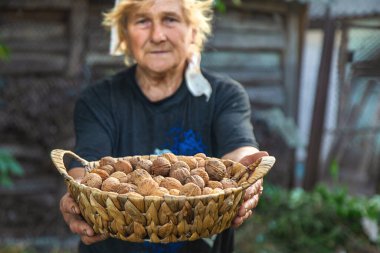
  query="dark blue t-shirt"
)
[{"x": 114, "y": 118}]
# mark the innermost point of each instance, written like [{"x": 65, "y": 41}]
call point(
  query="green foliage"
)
[
  {"x": 4, "y": 52},
  {"x": 8, "y": 167},
  {"x": 320, "y": 221}
]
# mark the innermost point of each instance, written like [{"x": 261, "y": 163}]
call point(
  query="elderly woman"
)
[{"x": 162, "y": 103}]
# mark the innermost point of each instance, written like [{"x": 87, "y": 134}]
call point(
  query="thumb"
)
[{"x": 249, "y": 159}]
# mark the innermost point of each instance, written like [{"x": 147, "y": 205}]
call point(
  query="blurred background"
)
[{"x": 310, "y": 67}]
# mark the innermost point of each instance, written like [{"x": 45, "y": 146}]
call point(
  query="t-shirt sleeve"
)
[
  {"x": 93, "y": 125},
  {"x": 232, "y": 124}
]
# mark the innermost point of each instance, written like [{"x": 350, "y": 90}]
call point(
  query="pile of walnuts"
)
[{"x": 167, "y": 174}]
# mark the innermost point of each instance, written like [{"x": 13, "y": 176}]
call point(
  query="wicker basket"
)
[{"x": 157, "y": 219}]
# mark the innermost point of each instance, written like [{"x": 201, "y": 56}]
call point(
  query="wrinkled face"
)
[{"x": 159, "y": 38}]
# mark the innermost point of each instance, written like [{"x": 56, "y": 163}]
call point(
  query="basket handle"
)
[
  {"x": 57, "y": 157},
  {"x": 260, "y": 170}
]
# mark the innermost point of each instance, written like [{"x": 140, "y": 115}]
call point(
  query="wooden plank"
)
[
  {"x": 269, "y": 41},
  {"x": 248, "y": 77},
  {"x": 32, "y": 30},
  {"x": 262, "y": 6},
  {"x": 98, "y": 59},
  {"x": 270, "y": 95},
  {"x": 247, "y": 22},
  {"x": 52, "y": 45},
  {"x": 78, "y": 21},
  {"x": 28, "y": 63},
  {"x": 245, "y": 60},
  {"x": 35, "y": 4}
]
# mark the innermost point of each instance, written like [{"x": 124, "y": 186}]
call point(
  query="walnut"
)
[
  {"x": 201, "y": 162},
  {"x": 126, "y": 187},
  {"x": 124, "y": 166},
  {"x": 102, "y": 173},
  {"x": 214, "y": 184},
  {"x": 191, "y": 189},
  {"x": 107, "y": 160},
  {"x": 171, "y": 183},
  {"x": 111, "y": 184},
  {"x": 190, "y": 161},
  {"x": 161, "y": 166},
  {"x": 160, "y": 191},
  {"x": 108, "y": 168},
  {"x": 145, "y": 165},
  {"x": 138, "y": 175},
  {"x": 201, "y": 172},
  {"x": 196, "y": 180},
  {"x": 216, "y": 169},
  {"x": 174, "y": 192},
  {"x": 158, "y": 179},
  {"x": 217, "y": 191},
  {"x": 92, "y": 180},
  {"x": 172, "y": 158},
  {"x": 201, "y": 155},
  {"x": 206, "y": 191},
  {"x": 228, "y": 183},
  {"x": 120, "y": 175},
  {"x": 147, "y": 186},
  {"x": 237, "y": 171},
  {"x": 134, "y": 160},
  {"x": 181, "y": 174},
  {"x": 180, "y": 164}
]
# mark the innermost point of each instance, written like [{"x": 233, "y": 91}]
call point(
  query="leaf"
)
[
  {"x": 220, "y": 6},
  {"x": 334, "y": 170},
  {"x": 4, "y": 52}
]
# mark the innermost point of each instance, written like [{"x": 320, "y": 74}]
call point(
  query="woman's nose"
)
[{"x": 158, "y": 33}]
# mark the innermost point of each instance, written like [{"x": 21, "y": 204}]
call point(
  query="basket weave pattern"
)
[{"x": 156, "y": 219}]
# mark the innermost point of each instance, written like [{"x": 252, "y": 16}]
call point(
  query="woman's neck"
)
[{"x": 157, "y": 87}]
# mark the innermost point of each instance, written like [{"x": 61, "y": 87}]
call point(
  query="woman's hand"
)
[
  {"x": 71, "y": 214},
  {"x": 252, "y": 194}
]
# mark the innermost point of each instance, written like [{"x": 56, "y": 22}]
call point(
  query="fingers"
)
[
  {"x": 239, "y": 220},
  {"x": 92, "y": 239},
  {"x": 249, "y": 159},
  {"x": 253, "y": 189},
  {"x": 68, "y": 205}
]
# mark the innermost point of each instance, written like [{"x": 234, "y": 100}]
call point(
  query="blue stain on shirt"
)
[{"x": 184, "y": 142}]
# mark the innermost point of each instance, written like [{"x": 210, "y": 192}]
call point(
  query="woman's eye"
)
[
  {"x": 142, "y": 21},
  {"x": 170, "y": 20}
]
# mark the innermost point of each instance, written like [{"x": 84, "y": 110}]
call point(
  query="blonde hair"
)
[{"x": 198, "y": 14}]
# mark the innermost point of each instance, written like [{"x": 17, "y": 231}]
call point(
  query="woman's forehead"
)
[{"x": 149, "y": 7}]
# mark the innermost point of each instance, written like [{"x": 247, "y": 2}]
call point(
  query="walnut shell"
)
[
  {"x": 201, "y": 155},
  {"x": 111, "y": 184},
  {"x": 228, "y": 183},
  {"x": 214, "y": 184},
  {"x": 108, "y": 168},
  {"x": 217, "y": 191},
  {"x": 171, "y": 183},
  {"x": 102, "y": 173},
  {"x": 190, "y": 161},
  {"x": 216, "y": 169},
  {"x": 172, "y": 158},
  {"x": 196, "y": 179},
  {"x": 201, "y": 162},
  {"x": 201, "y": 172},
  {"x": 147, "y": 186},
  {"x": 120, "y": 175},
  {"x": 92, "y": 180},
  {"x": 181, "y": 174},
  {"x": 161, "y": 166},
  {"x": 124, "y": 166},
  {"x": 158, "y": 179},
  {"x": 126, "y": 187},
  {"x": 138, "y": 175},
  {"x": 174, "y": 192},
  {"x": 206, "y": 191},
  {"x": 160, "y": 191},
  {"x": 191, "y": 189},
  {"x": 180, "y": 164},
  {"x": 107, "y": 160},
  {"x": 238, "y": 170},
  {"x": 145, "y": 165},
  {"x": 134, "y": 160}
]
